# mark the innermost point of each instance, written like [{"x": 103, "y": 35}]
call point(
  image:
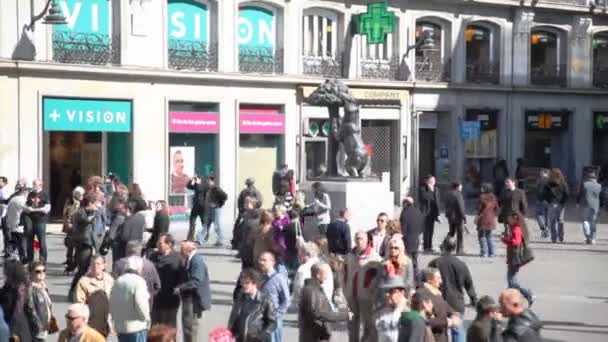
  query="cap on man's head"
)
[
  {"x": 393, "y": 283},
  {"x": 250, "y": 181},
  {"x": 486, "y": 304}
]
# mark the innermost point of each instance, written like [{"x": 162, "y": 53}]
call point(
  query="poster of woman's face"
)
[{"x": 182, "y": 168}]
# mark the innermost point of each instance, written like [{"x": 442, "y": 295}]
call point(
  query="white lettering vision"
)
[
  {"x": 96, "y": 117},
  {"x": 180, "y": 28}
]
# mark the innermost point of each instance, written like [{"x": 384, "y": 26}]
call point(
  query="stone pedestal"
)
[{"x": 365, "y": 198}]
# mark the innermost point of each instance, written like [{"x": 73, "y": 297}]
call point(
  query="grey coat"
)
[{"x": 589, "y": 195}]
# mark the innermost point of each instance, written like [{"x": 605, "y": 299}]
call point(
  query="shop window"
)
[
  {"x": 320, "y": 43},
  {"x": 600, "y": 59},
  {"x": 482, "y": 54},
  {"x": 258, "y": 36},
  {"x": 432, "y": 64},
  {"x": 192, "y": 34},
  {"x": 547, "y": 57}
]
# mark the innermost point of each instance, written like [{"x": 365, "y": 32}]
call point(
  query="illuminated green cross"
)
[
  {"x": 599, "y": 121},
  {"x": 376, "y": 23}
]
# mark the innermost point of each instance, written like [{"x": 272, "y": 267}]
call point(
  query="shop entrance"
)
[
  {"x": 548, "y": 142},
  {"x": 433, "y": 146},
  {"x": 480, "y": 153},
  {"x": 600, "y": 138}
]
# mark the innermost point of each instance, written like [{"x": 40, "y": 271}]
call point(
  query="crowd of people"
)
[{"x": 370, "y": 281}]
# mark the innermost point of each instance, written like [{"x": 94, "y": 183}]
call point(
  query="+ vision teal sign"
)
[
  {"x": 188, "y": 20},
  {"x": 256, "y": 27},
  {"x": 376, "y": 23},
  {"x": 85, "y": 16},
  {"x": 82, "y": 115}
]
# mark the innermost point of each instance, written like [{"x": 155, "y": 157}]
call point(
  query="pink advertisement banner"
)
[
  {"x": 262, "y": 123},
  {"x": 194, "y": 122}
]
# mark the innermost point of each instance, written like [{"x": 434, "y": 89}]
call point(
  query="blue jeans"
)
[
  {"x": 38, "y": 230},
  {"x": 458, "y": 333},
  {"x": 139, "y": 336},
  {"x": 486, "y": 244},
  {"x": 212, "y": 218},
  {"x": 589, "y": 223},
  {"x": 541, "y": 215},
  {"x": 277, "y": 335},
  {"x": 554, "y": 213},
  {"x": 513, "y": 282}
]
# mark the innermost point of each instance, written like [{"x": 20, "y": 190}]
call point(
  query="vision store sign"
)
[
  {"x": 85, "y": 17},
  {"x": 86, "y": 115}
]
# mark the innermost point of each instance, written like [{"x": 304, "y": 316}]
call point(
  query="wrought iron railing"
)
[
  {"x": 86, "y": 48},
  {"x": 483, "y": 73},
  {"x": 323, "y": 67},
  {"x": 387, "y": 69},
  {"x": 570, "y": 2},
  {"x": 192, "y": 55},
  {"x": 432, "y": 69},
  {"x": 600, "y": 76},
  {"x": 261, "y": 60},
  {"x": 549, "y": 75}
]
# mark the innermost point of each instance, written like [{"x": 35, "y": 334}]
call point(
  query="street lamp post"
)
[{"x": 54, "y": 16}]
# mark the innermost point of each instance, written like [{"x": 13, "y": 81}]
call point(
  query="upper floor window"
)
[
  {"x": 381, "y": 61},
  {"x": 482, "y": 53},
  {"x": 320, "y": 50},
  {"x": 548, "y": 57},
  {"x": 87, "y": 37},
  {"x": 258, "y": 32},
  {"x": 191, "y": 35},
  {"x": 432, "y": 45},
  {"x": 600, "y": 59}
]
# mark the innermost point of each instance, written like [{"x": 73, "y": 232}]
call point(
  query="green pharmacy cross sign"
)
[{"x": 376, "y": 23}]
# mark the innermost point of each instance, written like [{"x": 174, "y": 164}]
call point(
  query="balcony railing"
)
[
  {"x": 261, "y": 60},
  {"x": 381, "y": 68},
  {"x": 600, "y": 76},
  {"x": 322, "y": 67},
  {"x": 568, "y": 2},
  {"x": 549, "y": 75},
  {"x": 483, "y": 73},
  {"x": 192, "y": 55},
  {"x": 86, "y": 48},
  {"x": 432, "y": 69}
]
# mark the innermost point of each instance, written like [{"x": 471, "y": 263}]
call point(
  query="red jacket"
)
[{"x": 514, "y": 238}]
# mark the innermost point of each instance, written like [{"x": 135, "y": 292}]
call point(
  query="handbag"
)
[
  {"x": 523, "y": 254},
  {"x": 53, "y": 327}
]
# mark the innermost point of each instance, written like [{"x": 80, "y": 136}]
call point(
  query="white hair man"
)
[
  {"x": 129, "y": 302},
  {"x": 308, "y": 254},
  {"x": 77, "y": 325}
]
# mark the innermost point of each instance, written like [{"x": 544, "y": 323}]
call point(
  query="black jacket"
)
[
  {"x": 454, "y": 207},
  {"x": 133, "y": 228},
  {"x": 22, "y": 321},
  {"x": 524, "y": 327},
  {"x": 197, "y": 283},
  {"x": 83, "y": 222},
  {"x": 412, "y": 225},
  {"x": 456, "y": 277},
  {"x": 555, "y": 194},
  {"x": 198, "y": 202},
  {"x": 429, "y": 202},
  {"x": 253, "y": 319},
  {"x": 161, "y": 226},
  {"x": 316, "y": 314},
  {"x": 170, "y": 270},
  {"x": 251, "y": 219},
  {"x": 41, "y": 307},
  {"x": 252, "y": 192},
  {"x": 338, "y": 237},
  {"x": 484, "y": 329},
  {"x": 512, "y": 201}
]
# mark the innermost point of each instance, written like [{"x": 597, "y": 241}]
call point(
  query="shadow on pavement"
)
[{"x": 576, "y": 327}]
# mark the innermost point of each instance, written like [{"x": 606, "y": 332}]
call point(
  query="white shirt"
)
[
  {"x": 14, "y": 210},
  {"x": 323, "y": 206},
  {"x": 304, "y": 273}
]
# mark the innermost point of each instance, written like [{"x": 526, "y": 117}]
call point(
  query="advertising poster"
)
[{"x": 181, "y": 170}]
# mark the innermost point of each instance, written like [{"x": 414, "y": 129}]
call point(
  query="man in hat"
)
[
  {"x": 486, "y": 327},
  {"x": 250, "y": 191},
  {"x": 387, "y": 318}
]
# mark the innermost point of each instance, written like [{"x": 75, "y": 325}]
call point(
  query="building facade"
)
[{"x": 157, "y": 91}]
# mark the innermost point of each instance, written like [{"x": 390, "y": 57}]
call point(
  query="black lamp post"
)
[{"x": 54, "y": 16}]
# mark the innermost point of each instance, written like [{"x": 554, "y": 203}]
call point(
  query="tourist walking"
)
[
  {"x": 444, "y": 317},
  {"x": 456, "y": 215},
  {"x": 396, "y": 264},
  {"x": 338, "y": 234},
  {"x": 523, "y": 325},
  {"x": 412, "y": 226},
  {"x": 589, "y": 199},
  {"x": 429, "y": 206},
  {"x": 161, "y": 225},
  {"x": 279, "y": 227},
  {"x": 78, "y": 329},
  {"x": 309, "y": 256},
  {"x": 170, "y": 270},
  {"x": 252, "y": 192},
  {"x": 84, "y": 221},
  {"x": 37, "y": 217},
  {"x": 275, "y": 285},
  {"x": 379, "y": 236},
  {"x": 395, "y": 304},
  {"x": 3, "y": 203},
  {"x": 415, "y": 324},
  {"x": 69, "y": 209},
  {"x": 120, "y": 267},
  {"x": 541, "y": 205},
  {"x": 199, "y": 188},
  {"x": 41, "y": 301},
  {"x": 321, "y": 207},
  {"x": 486, "y": 327},
  {"x": 555, "y": 195},
  {"x": 246, "y": 222},
  {"x": 514, "y": 239},
  {"x": 215, "y": 198},
  {"x": 14, "y": 223},
  {"x": 456, "y": 278},
  {"x": 94, "y": 290},
  {"x": 130, "y": 303},
  {"x": 511, "y": 200},
  {"x": 316, "y": 315},
  {"x": 253, "y": 315},
  {"x": 486, "y": 221},
  {"x": 195, "y": 292},
  {"x": 500, "y": 173},
  {"x": 20, "y": 316}
]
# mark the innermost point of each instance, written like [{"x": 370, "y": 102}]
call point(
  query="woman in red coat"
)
[{"x": 513, "y": 238}]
